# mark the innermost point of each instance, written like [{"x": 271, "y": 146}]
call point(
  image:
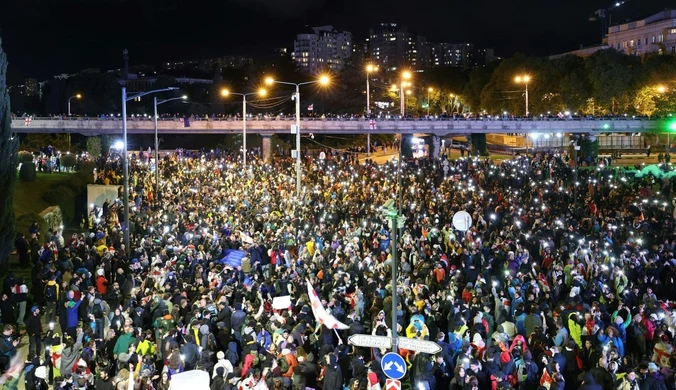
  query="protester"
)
[{"x": 562, "y": 280}]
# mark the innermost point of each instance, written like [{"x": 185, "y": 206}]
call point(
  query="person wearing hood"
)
[
  {"x": 305, "y": 374},
  {"x": 224, "y": 363},
  {"x": 124, "y": 341},
  {"x": 218, "y": 380},
  {"x": 100, "y": 310},
  {"x": 589, "y": 383},
  {"x": 333, "y": 378}
]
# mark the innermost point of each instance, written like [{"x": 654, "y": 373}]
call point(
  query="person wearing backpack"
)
[
  {"x": 100, "y": 310},
  {"x": 527, "y": 371},
  {"x": 51, "y": 297}
]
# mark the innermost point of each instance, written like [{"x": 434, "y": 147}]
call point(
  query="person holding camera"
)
[{"x": 8, "y": 346}]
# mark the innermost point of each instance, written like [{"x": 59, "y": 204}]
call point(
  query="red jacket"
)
[{"x": 101, "y": 284}]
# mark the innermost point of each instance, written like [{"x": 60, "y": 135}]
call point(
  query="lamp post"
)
[
  {"x": 369, "y": 69},
  {"x": 261, "y": 92},
  {"x": 404, "y": 76},
  {"x": 78, "y": 96},
  {"x": 125, "y": 159},
  {"x": 524, "y": 79},
  {"x": 429, "y": 90},
  {"x": 323, "y": 80},
  {"x": 157, "y": 142}
]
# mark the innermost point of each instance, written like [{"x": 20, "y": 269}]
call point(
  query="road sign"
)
[
  {"x": 366, "y": 340},
  {"x": 392, "y": 384},
  {"x": 393, "y": 365},
  {"x": 419, "y": 345}
]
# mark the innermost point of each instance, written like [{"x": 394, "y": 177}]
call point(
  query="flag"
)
[
  {"x": 372, "y": 124},
  {"x": 311, "y": 107},
  {"x": 28, "y": 121},
  {"x": 233, "y": 258},
  {"x": 320, "y": 313},
  {"x": 560, "y": 115}
]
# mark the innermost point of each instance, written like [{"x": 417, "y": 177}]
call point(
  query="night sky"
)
[{"x": 46, "y": 37}]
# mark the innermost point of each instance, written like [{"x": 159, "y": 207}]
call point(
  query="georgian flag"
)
[{"x": 320, "y": 313}]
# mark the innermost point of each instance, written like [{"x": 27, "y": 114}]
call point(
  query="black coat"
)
[{"x": 333, "y": 378}]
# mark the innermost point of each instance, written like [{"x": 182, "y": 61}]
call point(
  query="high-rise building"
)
[
  {"x": 392, "y": 46},
  {"x": 457, "y": 55},
  {"x": 324, "y": 48}
]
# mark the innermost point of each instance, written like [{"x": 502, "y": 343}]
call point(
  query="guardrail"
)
[{"x": 347, "y": 119}]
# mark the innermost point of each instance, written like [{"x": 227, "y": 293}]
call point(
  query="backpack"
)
[
  {"x": 528, "y": 372},
  {"x": 97, "y": 310},
  {"x": 283, "y": 364},
  {"x": 50, "y": 293}
]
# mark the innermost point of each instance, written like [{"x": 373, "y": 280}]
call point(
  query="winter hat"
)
[
  {"x": 34, "y": 308},
  {"x": 220, "y": 355},
  {"x": 652, "y": 367},
  {"x": 82, "y": 363},
  {"x": 204, "y": 329},
  {"x": 99, "y": 272},
  {"x": 285, "y": 351},
  {"x": 41, "y": 372}
]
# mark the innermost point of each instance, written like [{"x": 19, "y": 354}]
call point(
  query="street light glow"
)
[
  {"x": 430, "y": 89},
  {"x": 406, "y": 75},
  {"x": 262, "y": 92},
  {"x": 371, "y": 68},
  {"x": 78, "y": 96},
  {"x": 661, "y": 89},
  {"x": 184, "y": 97},
  {"x": 225, "y": 92},
  {"x": 269, "y": 81},
  {"x": 324, "y": 80},
  {"x": 522, "y": 79}
]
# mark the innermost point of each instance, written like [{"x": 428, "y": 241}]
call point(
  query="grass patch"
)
[{"x": 28, "y": 195}]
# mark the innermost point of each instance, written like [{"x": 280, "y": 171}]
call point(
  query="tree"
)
[
  {"x": 477, "y": 81},
  {"x": 94, "y": 146},
  {"x": 8, "y": 163},
  {"x": 612, "y": 77}
]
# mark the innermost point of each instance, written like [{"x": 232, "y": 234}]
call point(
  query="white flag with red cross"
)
[{"x": 324, "y": 317}]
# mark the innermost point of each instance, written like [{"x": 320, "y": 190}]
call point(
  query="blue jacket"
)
[
  {"x": 71, "y": 315},
  {"x": 604, "y": 339}
]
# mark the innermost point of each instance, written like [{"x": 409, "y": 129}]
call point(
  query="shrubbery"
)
[
  {"x": 64, "y": 197},
  {"x": 27, "y": 172}
]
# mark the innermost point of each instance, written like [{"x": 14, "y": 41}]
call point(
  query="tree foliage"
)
[
  {"x": 8, "y": 163},
  {"x": 94, "y": 146}
]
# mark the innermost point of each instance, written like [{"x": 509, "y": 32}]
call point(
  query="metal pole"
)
[
  {"x": 244, "y": 130},
  {"x": 395, "y": 226},
  {"x": 401, "y": 99},
  {"x": 69, "y": 105},
  {"x": 297, "y": 141},
  {"x": 428, "y": 103},
  {"x": 368, "y": 115},
  {"x": 157, "y": 156},
  {"x": 575, "y": 171},
  {"x": 125, "y": 163},
  {"x": 526, "y": 100},
  {"x": 368, "y": 97}
]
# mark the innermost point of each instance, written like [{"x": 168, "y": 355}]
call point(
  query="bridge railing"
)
[{"x": 349, "y": 119}]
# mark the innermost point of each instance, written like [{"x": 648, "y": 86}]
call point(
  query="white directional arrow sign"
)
[
  {"x": 366, "y": 340},
  {"x": 419, "y": 345}
]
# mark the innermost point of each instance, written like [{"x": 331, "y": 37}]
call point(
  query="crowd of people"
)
[{"x": 563, "y": 280}]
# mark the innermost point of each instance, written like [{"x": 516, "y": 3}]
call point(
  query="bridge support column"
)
[
  {"x": 436, "y": 147},
  {"x": 266, "y": 146}
]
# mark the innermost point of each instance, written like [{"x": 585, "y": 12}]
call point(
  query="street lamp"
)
[
  {"x": 78, "y": 96},
  {"x": 323, "y": 80},
  {"x": 661, "y": 89},
  {"x": 406, "y": 75},
  {"x": 125, "y": 159},
  {"x": 370, "y": 68},
  {"x": 524, "y": 79},
  {"x": 429, "y": 90},
  {"x": 157, "y": 142},
  {"x": 261, "y": 92}
]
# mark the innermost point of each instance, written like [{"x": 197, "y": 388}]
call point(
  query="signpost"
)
[
  {"x": 423, "y": 346},
  {"x": 393, "y": 365},
  {"x": 367, "y": 340}
]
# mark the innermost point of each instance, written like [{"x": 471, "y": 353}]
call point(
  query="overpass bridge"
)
[{"x": 357, "y": 126}]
